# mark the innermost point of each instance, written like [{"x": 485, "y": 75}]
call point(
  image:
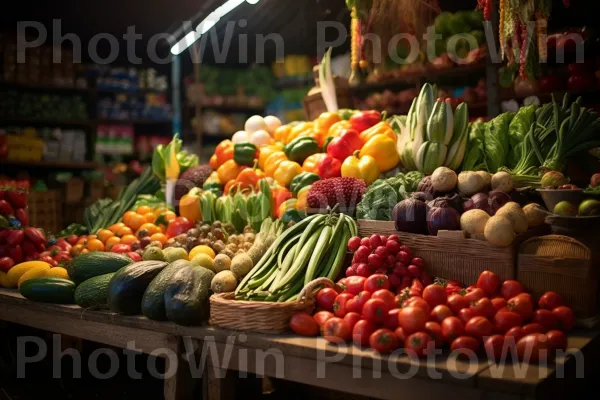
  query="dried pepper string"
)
[{"x": 501, "y": 29}]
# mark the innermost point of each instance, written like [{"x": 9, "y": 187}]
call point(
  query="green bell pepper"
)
[
  {"x": 214, "y": 187},
  {"x": 244, "y": 154},
  {"x": 328, "y": 140},
  {"x": 300, "y": 148},
  {"x": 345, "y": 113},
  {"x": 224, "y": 208},
  {"x": 302, "y": 180},
  {"x": 207, "y": 206}
]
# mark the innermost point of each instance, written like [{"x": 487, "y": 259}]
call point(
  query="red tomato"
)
[
  {"x": 352, "y": 318},
  {"x": 325, "y": 298},
  {"x": 412, "y": 319},
  {"x": 391, "y": 320},
  {"x": 533, "y": 348},
  {"x": 551, "y": 300},
  {"x": 435, "y": 295},
  {"x": 511, "y": 289},
  {"x": 504, "y": 320},
  {"x": 399, "y": 332},
  {"x": 493, "y": 346},
  {"x": 466, "y": 314},
  {"x": 521, "y": 305},
  {"x": 362, "y": 332},
  {"x": 375, "y": 310},
  {"x": 339, "y": 305},
  {"x": 484, "y": 308},
  {"x": 439, "y": 313},
  {"x": 452, "y": 328},
  {"x": 386, "y": 296},
  {"x": 479, "y": 327},
  {"x": 342, "y": 283},
  {"x": 418, "y": 343},
  {"x": 376, "y": 282},
  {"x": 565, "y": 317},
  {"x": 557, "y": 340},
  {"x": 135, "y": 257},
  {"x": 120, "y": 248},
  {"x": 358, "y": 302},
  {"x": 322, "y": 316},
  {"x": 355, "y": 284},
  {"x": 465, "y": 343},
  {"x": 489, "y": 282},
  {"x": 178, "y": 226},
  {"x": 499, "y": 303},
  {"x": 6, "y": 263},
  {"x": 72, "y": 239},
  {"x": 457, "y": 302},
  {"x": 303, "y": 324},
  {"x": 383, "y": 341},
  {"x": 545, "y": 318},
  {"x": 417, "y": 302},
  {"x": 434, "y": 330},
  {"x": 516, "y": 333},
  {"x": 474, "y": 295},
  {"x": 533, "y": 328},
  {"x": 336, "y": 330}
]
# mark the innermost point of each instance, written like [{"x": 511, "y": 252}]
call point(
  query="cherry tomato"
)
[
  {"x": 325, "y": 298},
  {"x": 452, "y": 328},
  {"x": 484, "y": 308},
  {"x": 521, "y": 305},
  {"x": 435, "y": 295},
  {"x": 545, "y": 318},
  {"x": 375, "y": 310},
  {"x": 439, "y": 313},
  {"x": 474, "y": 295},
  {"x": 386, "y": 296},
  {"x": 391, "y": 320},
  {"x": 358, "y": 302},
  {"x": 419, "y": 343},
  {"x": 412, "y": 319},
  {"x": 565, "y": 317},
  {"x": 465, "y": 343},
  {"x": 511, "y": 289},
  {"x": 336, "y": 330},
  {"x": 533, "y": 348},
  {"x": 383, "y": 341},
  {"x": 339, "y": 305},
  {"x": 322, "y": 316},
  {"x": 533, "y": 328},
  {"x": 303, "y": 324},
  {"x": 352, "y": 318},
  {"x": 362, "y": 332},
  {"x": 120, "y": 248},
  {"x": 550, "y": 300},
  {"x": 179, "y": 226},
  {"x": 353, "y": 243},
  {"x": 504, "y": 320},
  {"x": 376, "y": 282},
  {"x": 434, "y": 330},
  {"x": 417, "y": 302},
  {"x": 479, "y": 327},
  {"x": 489, "y": 282},
  {"x": 457, "y": 302},
  {"x": 355, "y": 284},
  {"x": 516, "y": 333},
  {"x": 499, "y": 303},
  {"x": 466, "y": 314},
  {"x": 493, "y": 346},
  {"x": 557, "y": 340}
]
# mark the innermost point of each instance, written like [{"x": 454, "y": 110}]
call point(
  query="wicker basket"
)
[
  {"x": 45, "y": 210},
  {"x": 451, "y": 255},
  {"x": 261, "y": 316},
  {"x": 563, "y": 265}
]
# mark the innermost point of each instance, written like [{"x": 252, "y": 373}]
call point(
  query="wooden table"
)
[{"x": 310, "y": 361}]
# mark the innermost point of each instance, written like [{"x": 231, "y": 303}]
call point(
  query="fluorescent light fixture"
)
[{"x": 206, "y": 24}]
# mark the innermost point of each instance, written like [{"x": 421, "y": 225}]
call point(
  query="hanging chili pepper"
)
[
  {"x": 523, "y": 55},
  {"x": 487, "y": 10},
  {"x": 541, "y": 25},
  {"x": 501, "y": 29}
]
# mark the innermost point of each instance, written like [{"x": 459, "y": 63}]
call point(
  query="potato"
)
[
  {"x": 513, "y": 212},
  {"x": 535, "y": 215},
  {"x": 499, "y": 231},
  {"x": 474, "y": 221}
]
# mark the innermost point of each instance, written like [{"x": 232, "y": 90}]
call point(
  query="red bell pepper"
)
[
  {"x": 279, "y": 195},
  {"x": 345, "y": 145},
  {"x": 329, "y": 167},
  {"x": 178, "y": 226},
  {"x": 363, "y": 120}
]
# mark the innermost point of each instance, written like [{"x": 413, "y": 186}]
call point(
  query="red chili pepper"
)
[
  {"x": 29, "y": 248},
  {"x": 363, "y": 120},
  {"x": 17, "y": 199},
  {"x": 15, "y": 237},
  {"x": 16, "y": 253},
  {"x": 34, "y": 235},
  {"x": 22, "y": 216},
  {"x": 329, "y": 167},
  {"x": 345, "y": 145}
]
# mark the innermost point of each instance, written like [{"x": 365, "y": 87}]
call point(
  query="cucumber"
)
[
  {"x": 153, "y": 302},
  {"x": 127, "y": 286},
  {"x": 98, "y": 263},
  {"x": 186, "y": 295},
  {"x": 93, "y": 292},
  {"x": 48, "y": 290}
]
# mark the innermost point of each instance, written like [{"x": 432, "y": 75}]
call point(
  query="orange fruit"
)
[
  {"x": 127, "y": 216},
  {"x": 136, "y": 221},
  {"x": 115, "y": 227},
  {"x": 82, "y": 240},
  {"x": 76, "y": 250},
  {"x": 170, "y": 216},
  {"x": 159, "y": 237},
  {"x": 104, "y": 235},
  {"x": 151, "y": 228},
  {"x": 128, "y": 239},
  {"x": 111, "y": 242},
  {"x": 84, "y": 251},
  {"x": 90, "y": 237},
  {"x": 124, "y": 231},
  {"x": 143, "y": 210},
  {"x": 150, "y": 217},
  {"x": 160, "y": 210},
  {"x": 95, "y": 245}
]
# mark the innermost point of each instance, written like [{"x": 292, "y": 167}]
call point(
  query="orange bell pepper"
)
[
  {"x": 189, "y": 205},
  {"x": 382, "y": 128},
  {"x": 299, "y": 130},
  {"x": 281, "y": 133},
  {"x": 279, "y": 196},
  {"x": 319, "y": 136},
  {"x": 228, "y": 187},
  {"x": 311, "y": 162},
  {"x": 336, "y": 129},
  {"x": 273, "y": 162},
  {"x": 213, "y": 162},
  {"x": 224, "y": 152},
  {"x": 325, "y": 121},
  {"x": 302, "y": 204},
  {"x": 229, "y": 170},
  {"x": 248, "y": 179}
]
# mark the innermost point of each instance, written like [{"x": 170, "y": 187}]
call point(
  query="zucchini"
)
[
  {"x": 93, "y": 292},
  {"x": 127, "y": 286},
  {"x": 48, "y": 290},
  {"x": 98, "y": 263},
  {"x": 186, "y": 295},
  {"x": 153, "y": 302}
]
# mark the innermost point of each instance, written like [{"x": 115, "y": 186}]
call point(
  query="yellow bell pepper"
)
[
  {"x": 311, "y": 163},
  {"x": 265, "y": 152},
  {"x": 336, "y": 129},
  {"x": 228, "y": 171},
  {"x": 364, "y": 168},
  {"x": 383, "y": 149},
  {"x": 299, "y": 130},
  {"x": 302, "y": 204},
  {"x": 189, "y": 205},
  {"x": 171, "y": 164},
  {"x": 281, "y": 133},
  {"x": 382, "y": 128},
  {"x": 326, "y": 120},
  {"x": 286, "y": 205},
  {"x": 213, "y": 178},
  {"x": 273, "y": 161},
  {"x": 286, "y": 171}
]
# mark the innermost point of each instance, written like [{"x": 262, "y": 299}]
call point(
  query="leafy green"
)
[
  {"x": 517, "y": 130},
  {"x": 496, "y": 143},
  {"x": 186, "y": 160},
  {"x": 474, "y": 158}
]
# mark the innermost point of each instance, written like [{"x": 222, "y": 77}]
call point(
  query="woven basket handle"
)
[{"x": 310, "y": 290}]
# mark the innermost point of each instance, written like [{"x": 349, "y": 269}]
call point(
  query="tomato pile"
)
[{"x": 490, "y": 314}]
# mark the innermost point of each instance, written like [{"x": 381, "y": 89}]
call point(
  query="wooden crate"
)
[
  {"x": 45, "y": 210},
  {"x": 450, "y": 255}
]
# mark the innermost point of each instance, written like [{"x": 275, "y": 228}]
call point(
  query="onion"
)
[
  {"x": 240, "y": 137},
  {"x": 255, "y": 123},
  {"x": 442, "y": 218},
  {"x": 410, "y": 215},
  {"x": 272, "y": 123},
  {"x": 426, "y": 186},
  {"x": 497, "y": 199},
  {"x": 481, "y": 202},
  {"x": 454, "y": 201},
  {"x": 260, "y": 138}
]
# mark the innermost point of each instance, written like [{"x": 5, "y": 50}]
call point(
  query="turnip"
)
[
  {"x": 487, "y": 179},
  {"x": 535, "y": 214},
  {"x": 272, "y": 123},
  {"x": 443, "y": 179},
  {"x": 513, "y": 212},
  {"x": 474, "y": 221},
  {"x": 502, "y": 181},
  {"x": 499, "y": 231},
  {"x": 469, "y": 183}
]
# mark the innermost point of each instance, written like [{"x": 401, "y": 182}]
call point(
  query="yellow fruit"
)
[
  {"x": 35, "y": 272},
  {"x": 202, "y": 249},
  {"x": 58, "y": 272},
  {"x": 16, "y": 272},
  {"x": 203, "y": 260},
  {"x": 3, "y": 279}
]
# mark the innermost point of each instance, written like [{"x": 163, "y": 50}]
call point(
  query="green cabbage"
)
[{"x": 496, "y": 142}]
